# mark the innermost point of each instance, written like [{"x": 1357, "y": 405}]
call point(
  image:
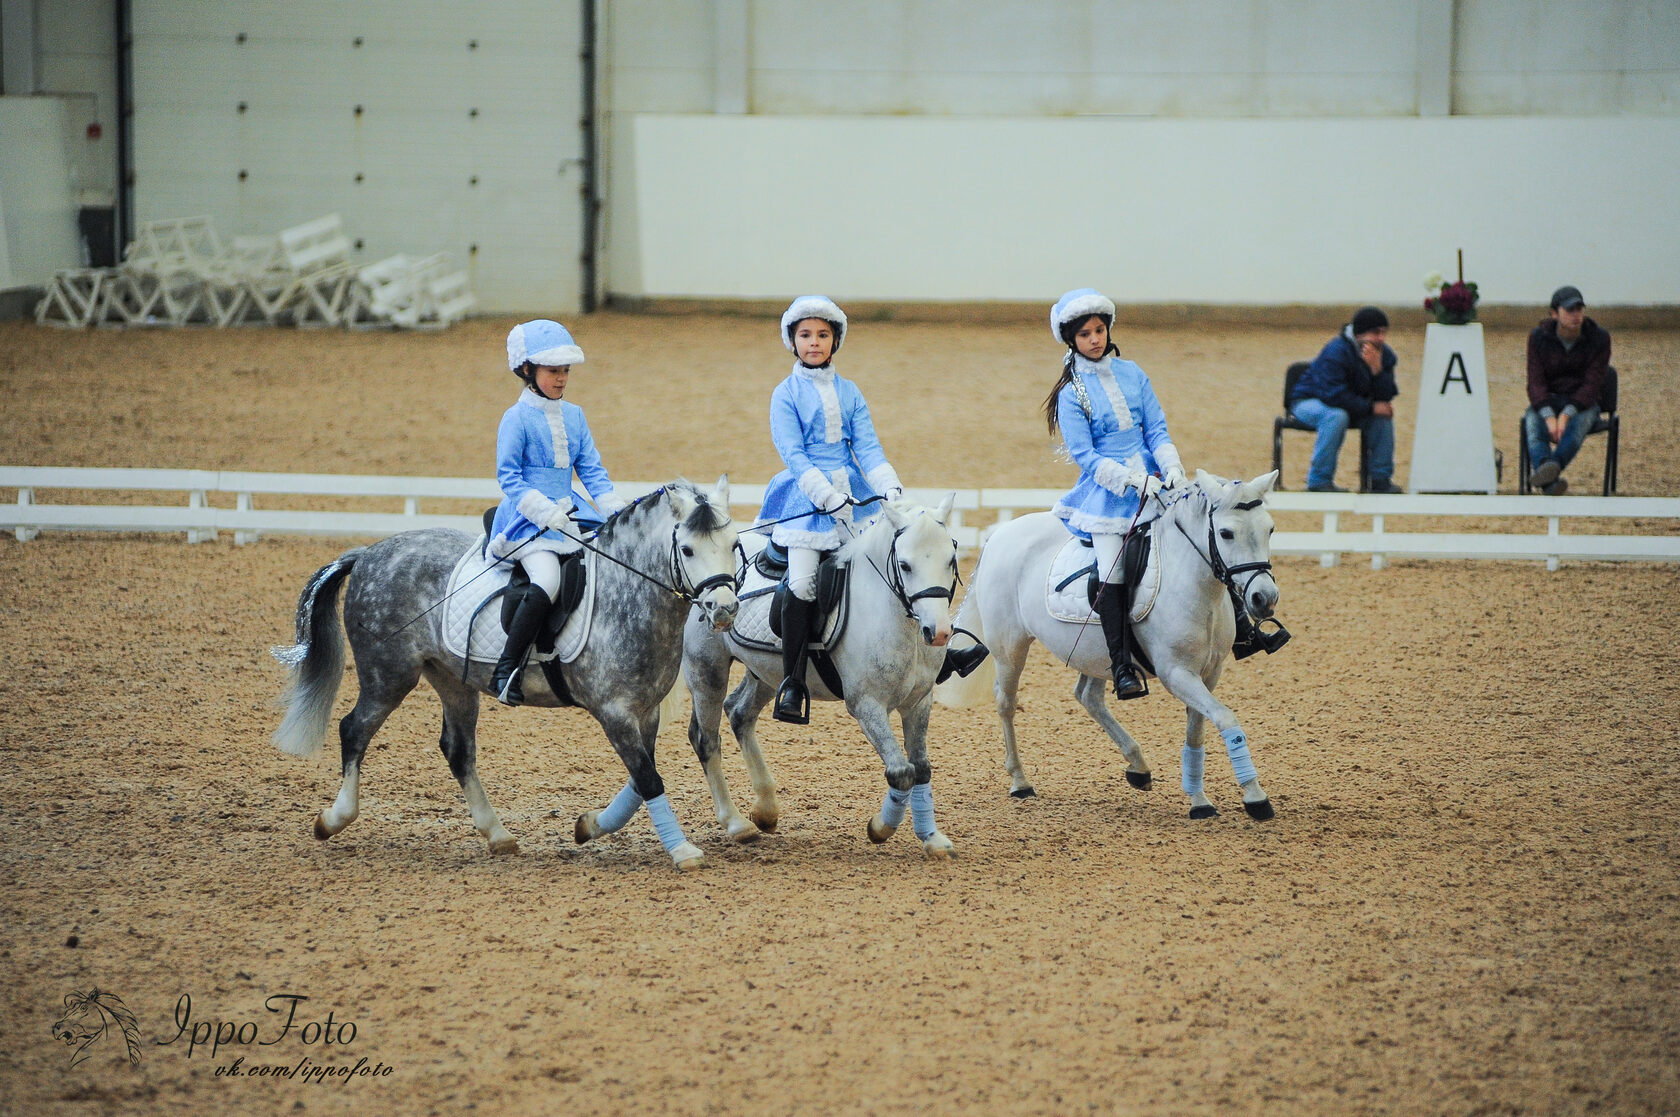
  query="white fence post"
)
[{"x": 25, "y": 534}]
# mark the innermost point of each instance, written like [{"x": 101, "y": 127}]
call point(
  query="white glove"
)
[
  {"x": 1147, "y": 484},
  {"x": 842, "y": 514},
  {"x": 610, "y": 502},
  {"x": 1174, "y": 476},
  {"x": 559, "y": 518},
  {"x": 893, "y": 493}
]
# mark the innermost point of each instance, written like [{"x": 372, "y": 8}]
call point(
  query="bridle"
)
[
  {"x": 895, "y": 582},
  {"x": 1227, "y": 574}
]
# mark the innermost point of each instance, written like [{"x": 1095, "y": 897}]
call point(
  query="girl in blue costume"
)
[
  {"x": 1116, "y": 432},
  {"x": 821, "y": 427},
  {"x": 541, "y": 440}
]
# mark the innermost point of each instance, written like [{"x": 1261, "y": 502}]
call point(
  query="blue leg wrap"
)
[
  {"x": 621, "y": 810},
  {"x": 892, "y": 807},
  {"x": 921, "y": 810},
  {"x": 1191, "y": 762},
  {"x": 1236, "y": 746},
  {"x": 665, "y": 823}
]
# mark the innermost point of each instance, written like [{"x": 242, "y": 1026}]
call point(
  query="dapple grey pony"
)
[
  {"x": 666, "y": 551},
  {"x": 1210, "y": 532},
  {"x": 902, "y": 570}
]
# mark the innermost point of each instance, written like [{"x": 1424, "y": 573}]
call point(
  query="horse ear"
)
[
  {"x": 894, "y": 517},
  {"x": 682, "y": 501},
  {"x": 720, "y": 494},
  {"x": 943, "y": 512},
  {"x": 1208, "y": 482},
  {"x": 1266, "y": 483}
]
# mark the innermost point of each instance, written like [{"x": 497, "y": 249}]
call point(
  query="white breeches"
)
[
  {"x": 1107, "y": 548},
  {"x": 543, "y": 568},
  {"x": 802, "y": 572}
]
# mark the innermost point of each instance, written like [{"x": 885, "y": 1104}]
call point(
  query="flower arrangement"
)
[{"x": 1453, "y": 304}]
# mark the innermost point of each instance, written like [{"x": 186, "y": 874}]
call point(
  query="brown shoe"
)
[{"x": 1557, "y": 488}]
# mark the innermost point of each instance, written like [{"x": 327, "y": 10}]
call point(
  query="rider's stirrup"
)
[
  {"x": 1251, "y": 638},
  {"x": 793, "y": 702},
  {"x": 961, "y": 662}
]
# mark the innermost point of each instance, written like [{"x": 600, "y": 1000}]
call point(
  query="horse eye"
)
[
  {"x": 904, "y": 566},
  {"x": 688, "y": 552},
  {"x": 1227, "y": 533}
]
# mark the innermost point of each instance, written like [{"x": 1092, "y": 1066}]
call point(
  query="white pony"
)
[
  {"x": 901, "y": 572},
  {"x": 1214, "y": 542}
]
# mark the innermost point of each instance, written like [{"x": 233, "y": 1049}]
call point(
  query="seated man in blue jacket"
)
[{"x": 1351, "y": 383}]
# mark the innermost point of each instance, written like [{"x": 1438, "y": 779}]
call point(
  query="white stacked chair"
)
[
  {"x": 75, "y": 298},
  {"x": 318, "y": 254}
]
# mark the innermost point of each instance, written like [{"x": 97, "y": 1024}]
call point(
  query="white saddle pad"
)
[
  {"x": 1070, "y": 603},
  {"x": 752, "y": 621},
  {"x": 472, "y": 581}
]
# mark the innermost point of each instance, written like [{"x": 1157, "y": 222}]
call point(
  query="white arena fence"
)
[{"x": 201, "y": 520}]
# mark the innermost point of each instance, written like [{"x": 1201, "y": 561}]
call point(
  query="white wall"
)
[
  {"x": 38, "y": 232},
  {"x": 467, "y": 140},
  {"x": 1218, "y": 58},
  {"x": 1151, "y": 211}
]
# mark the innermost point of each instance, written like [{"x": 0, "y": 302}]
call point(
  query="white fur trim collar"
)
[
  {"x": 552, "y": 410},
  {"x": 1103, "y": 372},
  {"x": 823, "y": 380}
]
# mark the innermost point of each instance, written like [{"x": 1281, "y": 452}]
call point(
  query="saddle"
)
[
  {"x": 572, "y": 581},
  {"x": 761, "y": 629},
  {"x": 1134, "y": 558}
]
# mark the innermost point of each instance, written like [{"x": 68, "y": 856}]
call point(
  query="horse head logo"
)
[{"x": 88, "y": 1016}]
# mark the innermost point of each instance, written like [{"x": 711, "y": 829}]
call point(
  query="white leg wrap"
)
[
  {"x": 620, "y": 811},
  {"x": 1236, "y": 746},
  {"x": 921, "y": 810},
  {"x": 1191, "y": 762},
  {"x": 665, "y": 823},
  {"x": 892, "y": 807}
]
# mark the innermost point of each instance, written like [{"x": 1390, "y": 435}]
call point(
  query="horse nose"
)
[
  {"x": 723, "y": 614},
  {"x": 938, "y": 635},
  {"x": 1261, "y": 602}
]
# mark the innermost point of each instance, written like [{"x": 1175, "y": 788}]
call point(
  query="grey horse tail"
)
[{"x": 316, "y": 660}]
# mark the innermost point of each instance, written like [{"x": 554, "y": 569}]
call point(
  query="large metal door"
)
[{"x": 431, "y": 127}]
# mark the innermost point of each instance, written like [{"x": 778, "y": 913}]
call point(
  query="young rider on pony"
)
[
  {"x": 1115, "y": 431},
  {"x": 821, "y": 427},
  {"x": 541, "y": 440}
]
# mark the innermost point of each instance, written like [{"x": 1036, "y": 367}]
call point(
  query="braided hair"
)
[{"x": 1070, "y": 330}]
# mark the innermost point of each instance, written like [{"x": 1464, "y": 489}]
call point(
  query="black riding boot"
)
[
  {"x": 793, "y": 700},
  {"x": 962, "y": 661},
  {"x": 1128, "y": 682},
  {"x": 1251, "y": 638},
  {"x": 522, "y": 633}
]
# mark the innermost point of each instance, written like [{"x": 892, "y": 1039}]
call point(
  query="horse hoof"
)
[
  {"x": 1143, "y": 781},
  {"x": 586, "y": 828},
  {"x": 939, "y": 848},
  {"x": 1022, "y": 793},
  {"x": 880, "y": 831},
  {"x": 765, "y": 822},
  {"x": 1204, "y": 812},
  {"x": 321, "y": 830},
  {"x": 743, "y": 832},
  {"x": 503, "y": 847},
  {"x": 1260, "y": 811},
  {"x": 688, "y": 857}
]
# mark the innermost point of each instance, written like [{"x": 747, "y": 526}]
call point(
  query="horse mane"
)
[
  {"x": 855, "y": 545},
  {"x": 703, "y": 518}
]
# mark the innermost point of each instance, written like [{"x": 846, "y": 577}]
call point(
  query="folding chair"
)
[
  {"x": 1288, "y": 422},
  {"x": 228, "y": 295},
  {"x": 1608, "y": 423},
  {"x": 167, "y": 264}
]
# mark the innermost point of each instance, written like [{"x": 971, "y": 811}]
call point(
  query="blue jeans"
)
[
  {"x": 1540, "y": 447},
  {"x": 1332, "y": 425}
]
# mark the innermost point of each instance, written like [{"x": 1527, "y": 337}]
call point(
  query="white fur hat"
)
[
  {"x": 813, "y": 306},
  {"x": 542, "y": 342},
  {"x": 1076, "y": 306}
]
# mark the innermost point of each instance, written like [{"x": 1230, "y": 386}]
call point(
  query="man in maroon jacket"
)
[{"x": 1567, "y": 356}]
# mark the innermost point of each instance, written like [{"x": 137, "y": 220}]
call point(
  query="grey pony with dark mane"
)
[{"x": 675, "y": 549}]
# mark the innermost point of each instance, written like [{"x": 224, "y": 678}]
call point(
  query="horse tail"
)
[
  {"x": 973, "y": 689},
  {"x": 671, "y": 706},
  {"x": 316, "y": 660}
]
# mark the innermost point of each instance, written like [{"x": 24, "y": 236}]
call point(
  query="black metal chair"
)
[
  {"x": 1288, "y": 422},
  {"x": 1608, "y": 423}
]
